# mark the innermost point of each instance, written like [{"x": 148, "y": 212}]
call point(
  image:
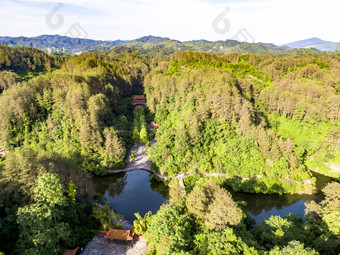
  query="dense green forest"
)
[
  {"x": 63, "y": 116},
  {"x": 208, "y": 221},
  {"x": 263, "y": 121}
]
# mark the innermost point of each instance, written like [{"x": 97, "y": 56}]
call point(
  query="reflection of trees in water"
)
[
  {"x": 117, "y": 187},
  {"x": 113, "y": 184},
  {"x": 258, "y": 202},
  {"x": 160, "y": 187}
]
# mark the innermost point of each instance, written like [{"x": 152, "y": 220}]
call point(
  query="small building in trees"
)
[
  {"x": 138, "y": 100},
  {"x": 154, "y": 125},
  {"x": 3, "y": 152}
]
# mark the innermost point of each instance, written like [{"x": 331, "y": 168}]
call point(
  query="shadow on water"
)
[
  {"x": 113, "y": 185},
  {"x": 132, "y": 192},
  {"x": 262, "y": 206}
]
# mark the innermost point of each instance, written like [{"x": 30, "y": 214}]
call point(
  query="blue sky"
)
[{"x": 277, "y": 21}]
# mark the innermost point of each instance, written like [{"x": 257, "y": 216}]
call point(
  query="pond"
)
[
  {"x": 262, "y": 206},
  {"x": 133, "y": 191}
]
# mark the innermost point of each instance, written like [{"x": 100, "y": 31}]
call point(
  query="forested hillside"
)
[
  {"x": 152, "y": 44},
  {"x": 208, "y": 221},
  {"x": 263, "y": 122},
  {"x": 64, "y": 116},
  {"x": 261, "y": 119}
]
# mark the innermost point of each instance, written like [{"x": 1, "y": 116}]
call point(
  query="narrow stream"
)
[{"x": 133, "y": 191}]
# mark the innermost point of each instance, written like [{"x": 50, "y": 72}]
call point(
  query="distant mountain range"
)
[
  {"x": 57, "y": 43},
  {"x": 159, "y": 45},
  {"x": 4, "y": 37},
  {"x": 316, "y": 43}
]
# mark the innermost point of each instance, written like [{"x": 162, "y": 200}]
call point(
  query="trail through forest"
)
[{"x": 140, "y": 161}]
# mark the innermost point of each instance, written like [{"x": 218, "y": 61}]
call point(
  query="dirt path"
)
[{"x": 140, "y": 161}]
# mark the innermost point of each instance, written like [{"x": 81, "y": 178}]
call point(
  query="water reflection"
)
[
  {"x": 159, "y": 187},
  {"x": 263, "y": 206},
  {"x": 132, "y": 192},
  {"x": 113, "y": 185}
]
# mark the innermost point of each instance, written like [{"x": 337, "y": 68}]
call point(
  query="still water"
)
[
  {"x": 262, "y": 206},
  {"x": 133, "y": 191}
]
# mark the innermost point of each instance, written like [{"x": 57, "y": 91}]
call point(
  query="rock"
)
[{"x": 102, "y": 246}]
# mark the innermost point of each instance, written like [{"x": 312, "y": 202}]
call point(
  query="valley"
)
[{"x": 243, "y": 134}]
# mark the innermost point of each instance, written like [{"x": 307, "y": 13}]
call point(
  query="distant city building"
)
[{"x": 138, "y": 100}]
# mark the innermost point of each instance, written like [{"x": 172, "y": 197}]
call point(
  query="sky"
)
[{"x": 271, "y": 21}]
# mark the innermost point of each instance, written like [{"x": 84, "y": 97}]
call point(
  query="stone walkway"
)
[
  {"x": 140, "y": 161},
  {"x": 102, "y": 246}
]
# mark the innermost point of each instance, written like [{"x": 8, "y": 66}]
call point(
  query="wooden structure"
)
[
  {"x": 71, "y": 252},
  {"x": 138, "y": 100},
  {"x": 154, "y": 125},
  {"x": 3, "y": 152},
  {"x": 120, "y": 234}
]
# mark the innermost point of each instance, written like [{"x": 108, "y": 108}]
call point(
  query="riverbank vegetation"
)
[
  {"x": 262, "y": 121},
  {"x": 207, "y": 221}
]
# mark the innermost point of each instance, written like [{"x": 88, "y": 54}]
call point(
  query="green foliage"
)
[
  {"x": 19, "y": 187},
  {"x": 293, "y": 248},
  {"x": 49, "y": 190},
  {"x": 140, "y": 130},
  {"x": 27, "y": 61},
  {"x": 169, "y": 230},
  {"x": 107, "y": 216},
  {"x": 82, "y": 111},
  {"x": 144, "y": 135},
  {"x": 223, "y": 242},
  {"x": 331, "y": 202},
  {"x": 114, "y": 151},
  {"x": 174, "y": 68},
  {"x": 260, "y": 121},
  {"x": 215, "y": 205},
  {"x": 326, "y": 215},
  {"x": 332, "y": 222},
  {"x": 132, "y": 156},
  {"x": 278, "y": 231},
  {"x": 72, "y": 193},
  {"x": 141, "y": 224},
  {"x": 305, "y": 135},
  {"x": 42, "y": 230},
  {"x": 256, "y": 118}
]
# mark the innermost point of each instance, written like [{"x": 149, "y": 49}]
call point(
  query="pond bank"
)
[
  {"x": 134, "y": 191},
  {"x": 141, "y": 161}
]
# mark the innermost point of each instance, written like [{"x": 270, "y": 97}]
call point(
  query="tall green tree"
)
[{"x": 42, "y": 230}]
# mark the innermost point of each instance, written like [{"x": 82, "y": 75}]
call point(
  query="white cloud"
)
[{"x": 277, "y": 21}]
